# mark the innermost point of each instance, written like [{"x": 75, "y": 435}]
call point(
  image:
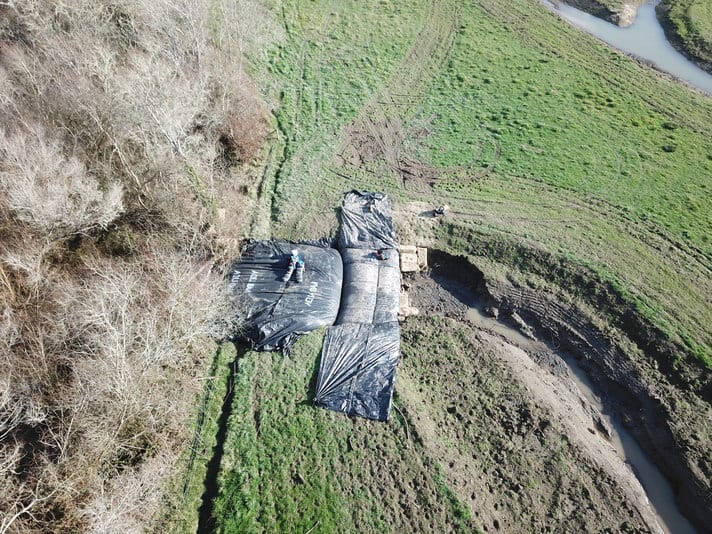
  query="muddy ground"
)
[{"x": 519, "y": 443}]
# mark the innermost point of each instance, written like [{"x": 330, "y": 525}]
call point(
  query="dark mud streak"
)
[
  {"x": 279, "y": 171},
  {"x": 206, "y": 522}
]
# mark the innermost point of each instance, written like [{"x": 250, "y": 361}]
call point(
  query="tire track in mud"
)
[
  {"x": 503, "y": 431},
  {"x": 379, "y": 131},
  {"x": 682, "y": 263}
]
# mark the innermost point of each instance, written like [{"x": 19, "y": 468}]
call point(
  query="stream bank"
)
[
  {"x": 643, "y": 39},
  {"x": 632, "y": 402}
]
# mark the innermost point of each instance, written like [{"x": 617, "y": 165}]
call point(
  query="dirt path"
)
[{"x": 570, "y": 410}]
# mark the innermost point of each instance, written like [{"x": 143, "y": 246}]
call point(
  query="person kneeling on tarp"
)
[
  {"x": 382, "y": 254},
  {"x": 295, "y": 263}
]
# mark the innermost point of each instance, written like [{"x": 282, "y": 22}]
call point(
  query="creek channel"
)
[
  {"x": 657, "y": 488},
  {"x": 644, "y": 39}
]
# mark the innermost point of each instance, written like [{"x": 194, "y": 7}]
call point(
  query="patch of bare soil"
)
[
  {"x": 627, "y": 14},
  {"x": 517, "y": 446},
  {"x": 378, "y": 140},
  {"x": 659, "y": 415},
  {"x": 381, "y": 139}
]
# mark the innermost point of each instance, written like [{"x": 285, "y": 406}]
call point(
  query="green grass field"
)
[
  {"x": 539, "y": 138},
  {"x": 595, "y": 157},
  {"x": 289, "y": 467}
]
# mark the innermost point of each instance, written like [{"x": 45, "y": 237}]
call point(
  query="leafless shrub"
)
[
  {"x": 107, "y": 110},
  {"x": 136, "y": 327},
  {"x": 26, "y": 257},
  {"x": 50, "y": 192},
  {"x": 16, "y": 499},
  {"x": 128, "y": 502},
  {"x": 247, "y": 128},
  {"x": 150, "y": 111}
]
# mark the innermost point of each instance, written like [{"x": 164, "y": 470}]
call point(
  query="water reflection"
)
[{"x": 644, "y": 38}]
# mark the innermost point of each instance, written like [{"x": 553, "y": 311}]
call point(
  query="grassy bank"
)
[
  {"x": 605, "y": 9},
  {"x": 688, "y": 24}
]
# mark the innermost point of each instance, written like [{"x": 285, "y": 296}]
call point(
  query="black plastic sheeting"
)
[
  {"x": 360, "y": 354},
  {"x": 371, "y": 291},
  {"x": 366, "y": 221},
  {"x": 357, "y": 370},
  {"x": 275, "y": 312}
]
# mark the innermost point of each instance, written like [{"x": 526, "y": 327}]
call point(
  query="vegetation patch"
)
[
  {"x": 289, "y": 466},
  {"x": 688, "y": 25},
  {"x": 113, "y": 186}
]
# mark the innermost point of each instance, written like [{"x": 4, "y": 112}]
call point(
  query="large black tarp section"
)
[
  {"x": 360, "y": 354},
  {"x": 366, "y": 221},
  {"x": 275, "y": 312},
  {"x": 357, "y": 369},
  {"x": 371, "y": 292}
]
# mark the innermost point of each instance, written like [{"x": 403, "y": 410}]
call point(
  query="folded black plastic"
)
[
  {"x": 357, "y": 369},
  {"x": 276, "y": 312},
  {"x": 366, "y": 221}
]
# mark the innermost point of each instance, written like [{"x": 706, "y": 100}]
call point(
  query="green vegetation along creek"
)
[
  {"x": 689, "y": 24},
  {"x": 573, "y": 173}
]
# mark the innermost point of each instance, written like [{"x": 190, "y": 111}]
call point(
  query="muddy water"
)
[
  {"x": 657, "y": 488},
  {"x": 644, "y": 38}
]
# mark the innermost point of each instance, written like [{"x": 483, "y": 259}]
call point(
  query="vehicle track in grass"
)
[
  {"x": 378, "y": 139},
  {"x": 606, "y": 234},
  {"x": 379, "y": 127}
]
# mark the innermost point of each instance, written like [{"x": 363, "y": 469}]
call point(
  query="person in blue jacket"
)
[{"x": 296, "y": 263}]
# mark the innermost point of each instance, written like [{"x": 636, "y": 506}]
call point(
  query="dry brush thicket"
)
[{"x": 123, "y": 129}]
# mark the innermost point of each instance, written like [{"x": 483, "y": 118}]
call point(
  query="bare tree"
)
[{"x": 125, "y": 117}]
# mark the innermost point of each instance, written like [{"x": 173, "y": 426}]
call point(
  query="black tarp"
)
[
  {"x": 360, "y": 353},
  {"x": 371, "y": 291},
  {"x": 275, "y": 313},
  {"x": 366, "y": 221},
  {"x": 357, "y": 369}
]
